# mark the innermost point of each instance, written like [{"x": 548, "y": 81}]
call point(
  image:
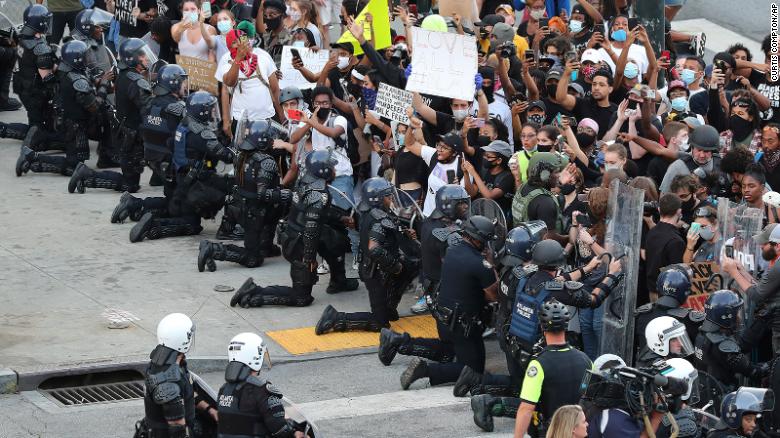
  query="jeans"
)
[
  {"x": 345, "y": 184},
  {"x": 590, "y": 326},
  {"x": 59, "y": 20}
]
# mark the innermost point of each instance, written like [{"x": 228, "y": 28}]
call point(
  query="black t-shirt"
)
[
  {"x": 656, "y": 169},
  {"x": 543, "y": 208},
  {"x": 581, "y": 43},
  {"x": 141, "y": 27},
  {"x": 590, "y": 109},
  {"x": 664, "y": 246},
  {"x": 409, "y": 168},
  {"x": 169, "y": 9},
  {"x": 772, "y": 91},
  {"x": 504, "y": 181},
  {"x": 552, "y": 110},
  {"x": 585, "y": 86}
]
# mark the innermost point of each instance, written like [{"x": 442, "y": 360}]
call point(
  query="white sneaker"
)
[
  {"x": 421, "y": 306},
  {"x": 355, "y": 265},
  {"x": 323, "y": 268}
]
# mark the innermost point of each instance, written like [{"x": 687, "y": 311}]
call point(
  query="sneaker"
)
[
  {"x": 420, "y": 307},
  {"x": 355, "y": 265},
  {"x": 490, "y": 331},
  {"x": 323, "y": 268}
]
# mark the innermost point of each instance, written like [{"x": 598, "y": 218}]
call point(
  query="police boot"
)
[
  {"x": 129, "y": 206},
  {"x": 245, "y": 291},
  {"x": 229, "y": 230},
  {"x": 389, "y": 341},
  {"x": 416, "y": 370},
  {"x": 331, "y": 321},
  {"x": 142, "y": 228},
  {"x": 16, "y": 131},
  {"x": 467, "y": 380},
  {"x": 206, "y": 251},
  {"x": 338, "y": 279},
  {"x": 25, "y": 160},
  {"x": 481, "y": 406},
  {"x": 156, "y": 180}
]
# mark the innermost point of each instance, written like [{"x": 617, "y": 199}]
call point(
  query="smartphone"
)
[
  {"x": 413, "y": 10},
  {"x": 695, "y": 228},
  {"x": 572, "y": 122},
  {"x": 516, "y": 99},
  {"x": 294, "y": 114},
  {"x": 529, "y": 56},
  {"x": 479, "y": 122},
  {"x": 571, "y": 55},
  {"x": 296, "y": 54},
  {"x": 729, "y": 250},
  {"x": 206, "y": 8},
  {"x": 632, "y": 23},
  {"x": 544, "y": 22},
  {"x": 666, "y": 54},
  {"x": 584, "y": 220},
  {"x": 451, "y": 176},
  {"x": 632, "y": 104}
]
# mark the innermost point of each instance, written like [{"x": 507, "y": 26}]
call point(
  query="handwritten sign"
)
[
  {"x": 313, "y": 61},
  {"x": 467, "y": 9},
  {"x": 201, "y": 73},
  {"x": 123, "y": 11},
  {"x": 391, "y": 103},
  {"x": 700, "y": 290},
  {"x": 444, "y": 64}
]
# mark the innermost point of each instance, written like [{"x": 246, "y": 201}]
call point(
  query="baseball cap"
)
[
  {"x": 770, "y": 233},
  {"x": 537, "y": 104},
  {"x": 554, "y": 73},
  {"x": 503, "y": 33},
  {"x": 490, "y": 20},
  {"x": 577, "y": 88},
  {"x": 692, "y": 122},
  {"x": 346, "y": 46},
  {"x": 399, "y": 39},
  {"x": 590, "y": 55},
  {"x": 453, "y": 140},
  {"x": 677, "y": 84},
  {"x": 499, "y": 147},
  {"x": 506, "y": 8}
]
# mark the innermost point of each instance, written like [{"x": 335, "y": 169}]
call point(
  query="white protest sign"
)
[
  {"x": 391, "y": 103},
  {"x": 313, "y": 61},
  {"x": 444, "y": 64}
]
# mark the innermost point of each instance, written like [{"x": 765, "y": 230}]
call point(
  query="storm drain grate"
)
[{"x": 93, "y": 394}]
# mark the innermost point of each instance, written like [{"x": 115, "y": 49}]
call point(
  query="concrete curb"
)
[{"x": 8, "y": 381}]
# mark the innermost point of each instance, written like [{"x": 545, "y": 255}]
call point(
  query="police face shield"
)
[
  {"x": 405, "y": 207},
  {"x": 154, "y": 69},
  {"x": 239, "y": 136},
  {"x": 101, "y": 19},
  {"x": 755, "y": 399},
  {"x": 680, "y": 344},
  {"x": 148, "y": 59},
  {"x": 537, "y": 230}
]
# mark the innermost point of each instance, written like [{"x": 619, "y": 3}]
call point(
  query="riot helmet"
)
[
  {"x": 90, "y": 19},
  {"x": 258, "y": 135},
  {"x": 674, "y": 287},
  {"x": 202, "y": 107},
  {"x": 73, "y": 56},
  {"x": 480, "y": 228},
  {"x": 320, "y": 164},
  {"x": 682, "y": 370},
  {"x": 248, "y": 349},
  {"x": 667, "y": 336},
  {"x": 543, "y": 165},
  {"x": 548, "y": 254},
  {"x": 134, "y": 52},
  {"x": 520, "y": 241},
  {"x": 722, "y": 308},
  {"x": 375, "y": 190},
  {"x": 554, "y": 316},
  {"x": 453, "y": 201},
  {"x": 743, "y": 401},
  {"x": 171, "y": 78},
  {"x": 176, "y": 331},
  {"x": 37, "y": 19},
  {"x": 290, "y": 93}
]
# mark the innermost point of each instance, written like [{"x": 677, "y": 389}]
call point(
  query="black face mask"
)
[
  {"x": 544, "y": 147},
  {"x": 740, "y": 127},
  {"x": 551, "y": 90},
  {"x": 488, "y": 93},
  {"x": 483, "y": 140},
  {"x": 323, "y": 113},
  {"x": 567, "y": 189},
  {"x": 585, "y": 140},
  {"x": 273, "y": 23},
  {"x": 688, "y": 206},
  {"x": 487, "y": 164}
]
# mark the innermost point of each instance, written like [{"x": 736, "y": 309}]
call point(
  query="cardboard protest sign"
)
[
  {"x": 702, "y": 272},
  {"x": 201, "y": 73},
  {"x": 391, "y": 103},
  {"x": 380, "y": 15},
  {"x": 123, "y": 11},
  {"x": 313, "y": 61},
  {"x": 444, "y": 64},
  {"x": 467, "y": 9}
]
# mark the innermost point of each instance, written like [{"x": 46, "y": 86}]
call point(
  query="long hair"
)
[
  {"x": 564, "y": 421},
  {"x": 598, "y": 199}
]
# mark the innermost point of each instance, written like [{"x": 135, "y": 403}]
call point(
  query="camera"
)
[
  {"x": 721, "y": 64},
  {"x": 650, "y": 208},
  {"x": 507, "y": 50}
]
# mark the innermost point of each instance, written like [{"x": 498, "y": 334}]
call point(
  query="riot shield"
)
[
  {"x": 11, "y": 17},
  {"x": 711, "y": 393},
  {"x": 491, "y": 210},
  {"x": 242, "y": 124},
  {"x": 624, "y": 231},
  {"x": 737, "y": 225}
]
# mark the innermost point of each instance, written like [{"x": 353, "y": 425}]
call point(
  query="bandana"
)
[{"x": 247, "y": 65}]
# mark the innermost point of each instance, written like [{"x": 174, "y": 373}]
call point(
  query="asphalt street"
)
[{"x": 65, "y": 271}]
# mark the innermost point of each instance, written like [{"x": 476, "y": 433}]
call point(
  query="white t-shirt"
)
[
  {"x": 501, "y": 110},
  {"x": 252, "y": 94},
  {"x": 321, "y": 142},
  {"x": 437, "y": 178},
  {"x": 636, "y": 53}
]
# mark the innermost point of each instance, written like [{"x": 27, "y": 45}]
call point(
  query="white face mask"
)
[
  {"x": 684, "y": 144},
  {"x": 460, "y": 115},
  {"x": 537, "y": 14},
  {"x": 343, "y": 62},
  {"x": 299, "y": 44},
  {"x": 295, "y": 16},
  {"x": 611, "y": 166}
]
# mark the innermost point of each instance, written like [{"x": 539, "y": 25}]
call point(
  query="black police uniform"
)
[
  {"x": 686, "y": 422},
  {"x": 7, "y": 63},
  {"x": 133, "y": 96},
  {"x": 724, "y": 431},
  {"x": 692, "y": 319},
  {"x": 719, "y": 354},
  {"x": 169, "y": 395},
  {"x": 464, "y": 277},
  {"x": 34, "y": 91},
  {"x": 258, "y": 185},
  {"x": 313, "y": 227},
  {"x": 79, "y": 100},
  {"x": 252, "y": 407}
]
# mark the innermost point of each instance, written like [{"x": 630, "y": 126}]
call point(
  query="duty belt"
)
[{"x": 456, "y": 320}]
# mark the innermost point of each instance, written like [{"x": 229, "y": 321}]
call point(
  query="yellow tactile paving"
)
[{"x": 303, "y": 340}]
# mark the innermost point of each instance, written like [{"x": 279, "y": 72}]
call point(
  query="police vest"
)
[
  {"x": 180, "y": 159},
  {"x": 157, "y": 127},
  {"x": 520, "y": 206},
  {"x": 525, "y": 313},
  {"x": 234, "y": 423}
]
